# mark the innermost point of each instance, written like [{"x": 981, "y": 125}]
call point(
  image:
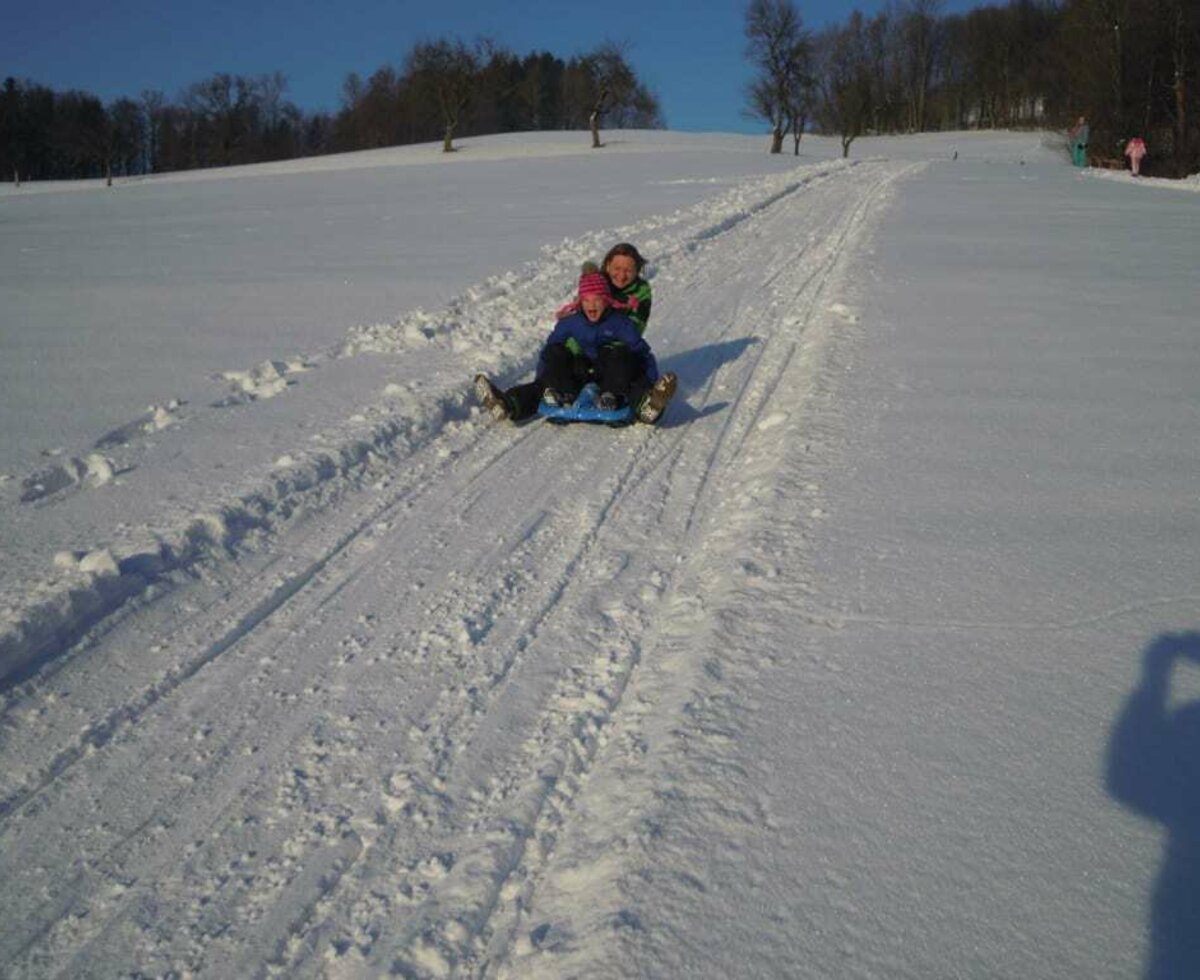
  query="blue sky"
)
[{"x": 691, "y": 54}]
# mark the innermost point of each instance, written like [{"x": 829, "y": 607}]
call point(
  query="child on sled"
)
[{"x": 596, "y": 343}]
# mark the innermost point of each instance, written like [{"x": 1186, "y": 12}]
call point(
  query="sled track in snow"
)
[
  {"x": 243, "y": 610},
  {"x": 59, "y": 616},
  {"x": 362, "y": 741}
]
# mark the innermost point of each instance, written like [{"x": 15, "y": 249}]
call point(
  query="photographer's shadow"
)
[{"x": 1153, "y": 768}]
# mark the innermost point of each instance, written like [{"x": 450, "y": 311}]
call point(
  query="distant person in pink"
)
[{"x": 1135, "y": 149}]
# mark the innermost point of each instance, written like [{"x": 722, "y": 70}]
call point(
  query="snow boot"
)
[
  {"x": 651, "y": 408},
  {"x": 492, "y": 398}
]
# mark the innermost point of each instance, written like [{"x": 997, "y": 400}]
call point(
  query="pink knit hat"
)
[{"x": 593, "y": 283}]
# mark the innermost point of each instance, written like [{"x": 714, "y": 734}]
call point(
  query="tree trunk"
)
[
  {"x": 108, "y": 173},
  {"x": 777, "y": 139},
  {"x": 1148, "y": 107},
  {"x": 1118, "y": 79},
  {"x": 448, "y": 140},
  {"x": 798, "y": 125},
  {"x": 17, "y": 176},
  {"x": 1181, "y": 133},
  {"x": 594, "y": 118}
]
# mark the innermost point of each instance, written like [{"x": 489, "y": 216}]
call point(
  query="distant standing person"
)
[
  {"x": 1079, "y": 135},
  {"x": 1135, "y": 149}
]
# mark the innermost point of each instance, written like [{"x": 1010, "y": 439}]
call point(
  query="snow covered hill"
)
[{"x": 317, "y": 671}]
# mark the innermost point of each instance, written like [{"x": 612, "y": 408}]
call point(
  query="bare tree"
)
[
  {"x": 126, "y": 137},
  {"x": 779, "y": 47},
  {"x": 920, "y": 39},
  {"x": 12, "y": 137},
  {"x": 217, "y": 107},
  {"x": 447, "y": 72},
  {"x": 845, "y": 106},
  {"x": 152, "y": 106},
  {"x": 370, "y": 116},
  {"x": 1183, "y": 45},
  {"x": 537, "y": 91},
  {"x": 602, "y": 84},
  {"x": 79, "y": 133},
  {"x": 270, "y": 90},
  {"x": 801, "y": 99}
]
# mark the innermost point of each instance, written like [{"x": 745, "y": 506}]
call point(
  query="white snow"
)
[{"x": 856, "y": 666}]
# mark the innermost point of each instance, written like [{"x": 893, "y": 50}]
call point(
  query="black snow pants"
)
[{"x": 616, "y": 370}]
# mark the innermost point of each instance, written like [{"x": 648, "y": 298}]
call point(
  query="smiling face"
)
[
  {"x": 593, "y": 307},
  {"x": 622, "y": 270}
]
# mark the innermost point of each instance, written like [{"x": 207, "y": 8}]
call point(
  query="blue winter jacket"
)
[{"x": 611, "y": 329}]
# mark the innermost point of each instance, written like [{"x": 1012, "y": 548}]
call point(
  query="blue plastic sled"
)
[{"x": 584, "y": 409}]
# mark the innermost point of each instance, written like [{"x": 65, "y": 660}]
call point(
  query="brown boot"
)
[
  {"x": 491, "y": 397},
  {"x": 652, "y": 406}
]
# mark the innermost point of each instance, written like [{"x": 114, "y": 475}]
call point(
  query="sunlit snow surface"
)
[{"x": 875, "y": 659}]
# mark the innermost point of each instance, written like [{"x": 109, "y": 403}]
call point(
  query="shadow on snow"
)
[
  {"x": 695, "y": 368},
  {"x": 1153, "y": 767}
]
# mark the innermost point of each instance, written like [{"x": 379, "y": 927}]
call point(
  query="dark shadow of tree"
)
[{"x": 1153, "y": 768}]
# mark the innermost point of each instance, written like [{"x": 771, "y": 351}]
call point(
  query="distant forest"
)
[
  {"x": 444, "y": 90},
  {"x": 1129, "y": 66}
]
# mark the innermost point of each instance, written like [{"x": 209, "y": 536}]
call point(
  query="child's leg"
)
[
  {"x": 563, "y": 370},
  {"x": 620, "y": 371},
  {"x": 523, "y": 399}
]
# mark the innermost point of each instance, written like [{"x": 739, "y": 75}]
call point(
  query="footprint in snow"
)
[
  {"x": 96, "y": 470},
  {"x": 154, "y": 419}
]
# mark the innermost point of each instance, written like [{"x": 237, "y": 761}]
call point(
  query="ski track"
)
[{"x": 366, "y": 736}]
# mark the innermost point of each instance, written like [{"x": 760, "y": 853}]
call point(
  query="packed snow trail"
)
[
  {"x": 361, "y": 738},
  {"x": 929, "y": 730}
]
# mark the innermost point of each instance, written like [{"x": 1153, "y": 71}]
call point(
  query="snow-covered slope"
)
[{"x": 329, "y": 675}]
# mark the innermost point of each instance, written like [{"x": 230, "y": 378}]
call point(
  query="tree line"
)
[
  {"x": 448, "y": 89},
  {"x": 1129, "y": 66},
  {"x": 444, "y": 89}
]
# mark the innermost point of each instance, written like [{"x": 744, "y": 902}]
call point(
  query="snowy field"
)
[{"x": 879, "y": 657}]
